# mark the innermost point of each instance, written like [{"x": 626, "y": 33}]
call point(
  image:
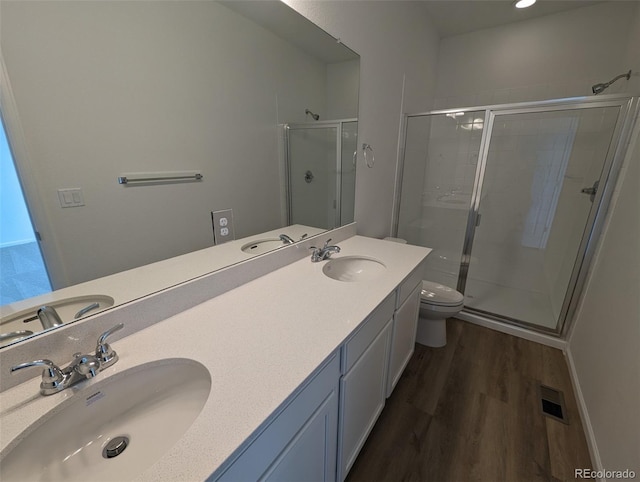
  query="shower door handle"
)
[{"x": 591, "y": 191}]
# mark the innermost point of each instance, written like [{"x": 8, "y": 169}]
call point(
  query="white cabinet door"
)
[
  {"x": 300, "y": 442},
  {"x": 403, "y": 339},
  {"x": 362, "y": 397},
  {"x": 311, "y": 455}
]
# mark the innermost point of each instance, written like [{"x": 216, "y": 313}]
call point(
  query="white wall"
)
[
  {"x": 395, "y": 39},
  {"x": 104, "y": 88},
  {"x": 606, "y": 334},
  {"x": 555, "y": 56},
  {"x": 632, "y": 54},
  {"x": 343, "y": 81}
]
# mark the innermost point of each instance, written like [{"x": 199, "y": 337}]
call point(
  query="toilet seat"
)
[{"x": 440, "y": 295}]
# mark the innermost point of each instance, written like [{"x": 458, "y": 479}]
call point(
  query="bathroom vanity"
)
[{"x": 300, "y": 367}]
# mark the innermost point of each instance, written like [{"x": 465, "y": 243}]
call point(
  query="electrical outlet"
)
[{"x": 222, "y": 222}]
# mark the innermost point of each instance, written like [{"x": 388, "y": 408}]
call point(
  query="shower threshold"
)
[{"x": 532, "y": 308}]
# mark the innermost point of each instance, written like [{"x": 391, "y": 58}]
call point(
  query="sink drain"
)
[{"x": 115, "y": 447}]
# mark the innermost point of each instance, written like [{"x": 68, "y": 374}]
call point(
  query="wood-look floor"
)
[{"x": 470, "y": 412}]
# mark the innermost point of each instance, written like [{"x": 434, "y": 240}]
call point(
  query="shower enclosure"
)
[
  {"x": 320, "y": 172},
  {"x": 511, "y": 199}
]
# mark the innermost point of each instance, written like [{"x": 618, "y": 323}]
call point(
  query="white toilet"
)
[{"x": 437, "y": 303}]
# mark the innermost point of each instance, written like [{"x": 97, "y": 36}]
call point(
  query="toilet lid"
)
[{"x": 437, "y": 294}]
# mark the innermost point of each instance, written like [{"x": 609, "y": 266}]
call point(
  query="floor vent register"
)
[{"x": 552, "y": 403}]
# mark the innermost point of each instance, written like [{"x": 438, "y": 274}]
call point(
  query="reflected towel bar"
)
[{"x": 159, "y": 177}]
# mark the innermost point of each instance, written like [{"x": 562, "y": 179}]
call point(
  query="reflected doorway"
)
[{"x": 22, "y": 269}]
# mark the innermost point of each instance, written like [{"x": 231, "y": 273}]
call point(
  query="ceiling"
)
[
  {"x": 454, "y": 17},
  {"x": 285, "y": 22}
]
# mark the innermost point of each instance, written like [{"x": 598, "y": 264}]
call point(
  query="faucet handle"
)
[
  {"x": 326, "y": 243},
  {"x": 104, "y": 353},
  {"x": 52, "y": 376},
  {"x": 109, "y": 332},
  {"x": 316, "y": 254},
  {"x": 86, "y": 365}
]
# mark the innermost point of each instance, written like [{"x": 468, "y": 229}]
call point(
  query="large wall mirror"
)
[{"x": 248, "y": 94}]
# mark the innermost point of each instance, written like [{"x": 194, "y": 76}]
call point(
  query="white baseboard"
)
[
  {"x": 9, "y": 244},
  {"x": 520, "y": 332},
  {"x": 584, "y": 413}
]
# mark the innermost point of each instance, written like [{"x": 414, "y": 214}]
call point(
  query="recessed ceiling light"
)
[{"x": 524, "y": 3}]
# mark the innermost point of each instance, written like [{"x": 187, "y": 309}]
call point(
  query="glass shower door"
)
[
  {"x": 313, "y": 151},
  {"x": 539, "y": 196},
  {"x": 439, "y": 167},
  {"x": 348, "y": 171}
]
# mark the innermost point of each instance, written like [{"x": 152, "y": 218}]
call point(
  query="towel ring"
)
[{"x": 368, "y": 162}]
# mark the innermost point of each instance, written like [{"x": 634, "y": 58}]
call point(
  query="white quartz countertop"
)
[
  {"x": 260, "y": 342},
  {"x": 143, "y": 280}
]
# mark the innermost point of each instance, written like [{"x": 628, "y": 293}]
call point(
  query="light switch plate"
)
[
  {"x": 222, "y": 226},
  {"x": 71, "y": 198}
]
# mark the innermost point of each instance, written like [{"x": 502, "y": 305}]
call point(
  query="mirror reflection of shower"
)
[
  {"x": 319, "y": 172},
  {"x": 315, "y": 116}
]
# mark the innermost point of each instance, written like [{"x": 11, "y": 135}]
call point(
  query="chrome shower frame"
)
[{"x": 629, "y": 108}]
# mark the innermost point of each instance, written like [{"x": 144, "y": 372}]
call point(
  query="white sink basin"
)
[
  {"x": 152, "y": 405},
  {"x": 260, "y": 246},
  {"x": 354, "y": 268}
]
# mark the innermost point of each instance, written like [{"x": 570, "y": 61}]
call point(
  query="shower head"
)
[
  {"x": 599, "y": 88},
  {"x": 315, "y": 116}
]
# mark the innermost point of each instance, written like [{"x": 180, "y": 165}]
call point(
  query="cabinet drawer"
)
[
  {"x": 409, "y": 284},
  {"x": 362, "y": 338}
]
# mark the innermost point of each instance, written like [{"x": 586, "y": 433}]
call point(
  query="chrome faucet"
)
[
  {"x": 286, "y": 239},
  {"x": 49, "y": 317},
  {"x": 320, "y": 254},
  {"x": 55, "y": 379}
]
